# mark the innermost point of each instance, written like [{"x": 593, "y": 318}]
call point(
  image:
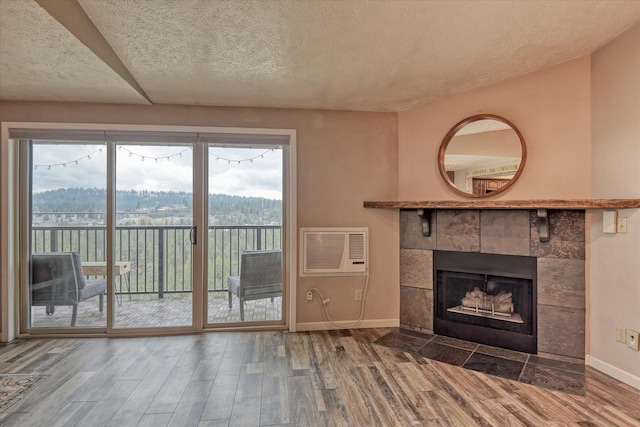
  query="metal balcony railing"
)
[{"x": 161, "y": 256}]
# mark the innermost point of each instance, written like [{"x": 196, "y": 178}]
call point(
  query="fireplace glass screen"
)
[{"x": 485, "y": 300}]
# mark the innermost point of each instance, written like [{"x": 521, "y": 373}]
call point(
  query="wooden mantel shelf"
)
[{"x": 508, "y": 204}]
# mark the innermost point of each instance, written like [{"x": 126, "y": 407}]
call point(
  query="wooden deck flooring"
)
[
  {"x": 154, "y": 312},
  {"x": 335, "y": 378}
]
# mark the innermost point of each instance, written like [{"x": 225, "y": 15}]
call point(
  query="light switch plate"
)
[{"x": 621, "y": 334}]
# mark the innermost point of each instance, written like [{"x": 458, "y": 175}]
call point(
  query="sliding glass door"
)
[
  {"x": 245, "y": 217},
  {"x": 154, "y": 224},
  {"x": 67, "y": 221},
  {"x": 157, "y": 230}
]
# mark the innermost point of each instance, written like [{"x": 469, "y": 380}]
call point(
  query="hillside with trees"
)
[{"x": 223, "y": 209}]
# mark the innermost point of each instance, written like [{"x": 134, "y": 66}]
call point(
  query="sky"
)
[{"x": 138, "y": 169}]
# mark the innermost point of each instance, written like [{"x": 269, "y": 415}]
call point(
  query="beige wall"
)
[
  {"x": 343, "y": 159},
  {"x": 615, "y": 259},
  {"x": 551, "y": 109}
]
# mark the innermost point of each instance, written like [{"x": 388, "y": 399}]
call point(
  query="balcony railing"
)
[{"x": 161, "y": 256}]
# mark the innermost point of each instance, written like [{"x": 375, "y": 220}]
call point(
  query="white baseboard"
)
[
  {"x": 347, "y": 324},
  {"x": 614, "y": 372}
]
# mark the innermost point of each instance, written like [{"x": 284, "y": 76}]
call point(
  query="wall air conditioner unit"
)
[{"x": 334, "y": 251}]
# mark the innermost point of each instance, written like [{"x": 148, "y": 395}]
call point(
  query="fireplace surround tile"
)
[
  {"x": 567, "y": 235},
  {"x": 458, "y": 230},
  {"x": 505, "y": 232},
  {"x": 561, "y": 282},
  {"x": 417, "y": 308},
  {"x": 561, "y": 331},
  {"x": 411, "y": 231},
  {"x": 416, "y": 267}
]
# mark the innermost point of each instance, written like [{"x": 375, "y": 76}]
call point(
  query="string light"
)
[
  {"x": 239, "y": 161},
  {"x": 143, "y": 157},
  {"x": 64, "y": 164},
  {"x": 156, "y": 158}
]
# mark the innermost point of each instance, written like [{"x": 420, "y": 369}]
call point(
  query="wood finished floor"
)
[{"x": 332, "y": 378}]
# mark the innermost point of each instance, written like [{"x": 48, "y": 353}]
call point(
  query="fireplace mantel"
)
[
  {"x": 424, "y": 208},
  {"x": 578, "y": 204}
]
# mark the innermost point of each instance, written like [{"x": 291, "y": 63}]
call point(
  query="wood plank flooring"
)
[{"x": 328, "y": 378}]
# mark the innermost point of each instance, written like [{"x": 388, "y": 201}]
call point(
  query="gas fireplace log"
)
[{"x": 502, "y": 302}]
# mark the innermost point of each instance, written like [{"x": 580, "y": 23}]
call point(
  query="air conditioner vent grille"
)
[
  {"x": 325, "y": 251},
  {"x": 356, "y": 246}
]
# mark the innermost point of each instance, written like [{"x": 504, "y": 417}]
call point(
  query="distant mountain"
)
[{"x": 156, "y": 204}]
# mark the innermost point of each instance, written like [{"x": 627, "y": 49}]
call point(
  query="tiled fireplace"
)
[{"x": 555, "y": 325}]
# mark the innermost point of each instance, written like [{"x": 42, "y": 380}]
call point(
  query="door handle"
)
[{"x": 193, "y": 235}]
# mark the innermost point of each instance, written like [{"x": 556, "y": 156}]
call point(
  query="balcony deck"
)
[{"x": 173, "y": 310}]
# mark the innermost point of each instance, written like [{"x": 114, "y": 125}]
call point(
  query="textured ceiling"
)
[
  {"x": 41, "y": 60},
  {"x": 346, "y": 55}
]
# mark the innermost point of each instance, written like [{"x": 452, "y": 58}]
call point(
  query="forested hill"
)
[{"x": 154, "y": 203}]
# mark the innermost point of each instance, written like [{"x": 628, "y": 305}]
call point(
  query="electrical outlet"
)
[
  {"x": 632, "y": 340},
  {"x": 358, "y": 294},
  {"x": 309, "y": 296},
  {"x": 622, "y": 225},
  {"x": 621, "y": 334}
]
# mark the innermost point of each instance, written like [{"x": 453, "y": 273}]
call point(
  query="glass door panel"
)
[
  {"x": 67, "y": 199},
  {"x": 245, "y": 205},
  {"x": 154, "y": 220}
]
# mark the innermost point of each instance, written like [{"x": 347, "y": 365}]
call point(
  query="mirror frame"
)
[{"x": 449, "y": 136}]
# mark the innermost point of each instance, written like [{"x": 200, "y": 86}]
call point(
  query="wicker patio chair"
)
[
  {"x": 57, "y": 280},
  {"x": 260, "y": 277}
]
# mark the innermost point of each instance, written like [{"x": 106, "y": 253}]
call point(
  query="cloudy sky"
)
[{"x": 158, "y": 168}]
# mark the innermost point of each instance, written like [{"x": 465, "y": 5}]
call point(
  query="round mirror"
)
[{"x": 481, "y": 156}]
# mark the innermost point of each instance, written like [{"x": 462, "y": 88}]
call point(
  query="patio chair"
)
[
  {"x": 57, "y": 280},
  {"x": 260, "y": 277}
]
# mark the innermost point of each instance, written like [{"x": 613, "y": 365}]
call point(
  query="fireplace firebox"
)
[{"x": 486, "y": 298}]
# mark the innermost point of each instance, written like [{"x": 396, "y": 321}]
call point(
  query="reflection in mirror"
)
[{"x": 482, "y": 156}]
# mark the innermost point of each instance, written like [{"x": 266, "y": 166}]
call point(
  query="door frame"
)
[{"x": 14, "y": 270}]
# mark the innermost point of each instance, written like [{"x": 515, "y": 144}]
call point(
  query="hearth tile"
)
[
  {"x": 416, "y": 268},
  {"x": 567, "y": 235},
  {"x": 455, "y": 342},
  {"x": 411, "y": 231},
  {"x": 444, "y": 353},
  {"x": 418, "y": 334},
  {"x": 561, "y": 331},
  {"x": 505, "y": 232},
  {"x": 561, "y": 282},
  {"x": 458, "y": 230},
  {"x": 402, "y": 342},
  {"x": 416, "y": 307},
  {"x": 554, "y": 379},
  {"x": 503, "y": 353},
  {"x": 578, "y": 368},
  {"x": 503, "y": 368}
]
